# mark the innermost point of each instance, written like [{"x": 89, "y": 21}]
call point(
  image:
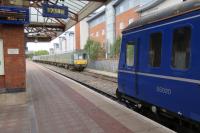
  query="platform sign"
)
[
  {"x": 13, "y": 51},
  {"x": 1, "y": 58},
  {"x": 14, "y": 15},
  {"x": 55, "y": 11}
]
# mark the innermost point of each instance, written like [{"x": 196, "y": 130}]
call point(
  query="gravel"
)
[{"x": 98, "y": 82}]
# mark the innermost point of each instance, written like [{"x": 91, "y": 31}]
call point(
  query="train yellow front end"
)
[{"x": 80, "y": 64}]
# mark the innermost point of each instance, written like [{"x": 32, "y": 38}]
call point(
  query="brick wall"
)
[
  {"x": 124, "y": 18},
  {"x": 121, "y": 18},
  {"x": 15, "y": 68},
  {"x": 98, "y": 29}
]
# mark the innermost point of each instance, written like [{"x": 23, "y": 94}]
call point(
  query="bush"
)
[
  {"x": 115, "y": 48},
  {"x": 41, "y": 52},
  {"x": 94, "y": 50}
]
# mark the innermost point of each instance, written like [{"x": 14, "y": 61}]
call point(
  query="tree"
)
[
  {"x": 115, "y": 48},
  {"x": 41, "y": 52},
  {"x": 94, "y": 50}
]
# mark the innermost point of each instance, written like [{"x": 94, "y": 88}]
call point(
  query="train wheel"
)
[
  {"x": 81, "y": 69},
  {"x": 118, "y": 94},
  {"x": 66, "y": 66}
]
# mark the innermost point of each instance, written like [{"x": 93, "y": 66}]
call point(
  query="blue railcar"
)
[{"x": 159, "y": 63}]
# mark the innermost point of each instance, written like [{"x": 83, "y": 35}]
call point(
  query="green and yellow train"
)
[{"x": 76, "y": 60}]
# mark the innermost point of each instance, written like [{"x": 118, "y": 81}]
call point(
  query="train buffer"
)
[{"x": 58, "y": 104}]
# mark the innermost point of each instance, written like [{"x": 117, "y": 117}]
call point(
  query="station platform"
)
[
  {"x": 60, "y": 105},
  {"x": 104, "y": 73}
]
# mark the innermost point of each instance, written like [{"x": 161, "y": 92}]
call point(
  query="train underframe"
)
[{"x": 161, "y": 115}]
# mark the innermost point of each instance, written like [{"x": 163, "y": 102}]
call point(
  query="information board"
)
[
  {"x": 14, "y": 15},
  {"x": 55, "y": 11},
  {"x": 1, "y": 58}
]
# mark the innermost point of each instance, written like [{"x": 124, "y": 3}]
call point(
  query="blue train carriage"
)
[{"x": 159, "y": 65}]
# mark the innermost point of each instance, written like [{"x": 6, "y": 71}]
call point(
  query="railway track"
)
[
  {"x": 95, "y": 75},
  {"x": 163, "y": 121},
  {"x": 88, "y": 86},
  {"x": 101, "y": 84}
]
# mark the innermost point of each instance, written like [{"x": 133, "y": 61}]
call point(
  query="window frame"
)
[
  {"x": 134, "y": 43},
  {"x": 162, "y": 43},
  {"x": 190, "y": 46}
]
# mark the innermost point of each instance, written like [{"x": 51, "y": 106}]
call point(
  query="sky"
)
[
  {"x": 32, "y": 46},
  {"x": 39, "y": 46}
]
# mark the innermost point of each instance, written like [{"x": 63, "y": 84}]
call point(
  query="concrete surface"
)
[
  {"x": 8, "y": 99},
  {"x": 59, "y": 105},
  {"x": 105, "y": 73}
]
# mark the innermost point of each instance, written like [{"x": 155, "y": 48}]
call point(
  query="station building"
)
[
  {"x": 97, "y": 27},
  {"x": 12, "y": 49},
  {"x": 64, "y": 43},
  {"x": 81, "y": 34},
  {"x": 106, "y": 26},
  {"x": 12, "y": 54}
]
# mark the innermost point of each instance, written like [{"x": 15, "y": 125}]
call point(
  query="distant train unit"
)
[
  {"x": 159, "y": 66},
  {"x": 76, "y": 60}
]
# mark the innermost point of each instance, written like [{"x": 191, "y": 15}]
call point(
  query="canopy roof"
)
[
  {"x": 42, "y": 27},
  {"x": 45, "y": 28}
]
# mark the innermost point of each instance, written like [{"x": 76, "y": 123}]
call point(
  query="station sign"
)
[
  {"x": 14, "y": 15},
  {"x": 55, "y": 11}
]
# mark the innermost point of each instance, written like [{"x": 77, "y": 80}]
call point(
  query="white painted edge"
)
[
  {"x": 162, "y": 76},
  {"x": 2, "y": 67},
  {"x": 33, "y": 119}
]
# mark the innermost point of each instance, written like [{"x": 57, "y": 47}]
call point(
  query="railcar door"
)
[{"x": 128, "y": 68}]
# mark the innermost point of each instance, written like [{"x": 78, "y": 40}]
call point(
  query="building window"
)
[
  {"x": 181, "y": 48},
  {"x": 56, "y": 45},
  {"x": 121, "y": 8},
  {"x": 97, "y": 34},
  {"x": 130, "y": 54},
  {"x": 103, "y": 32},
  {"x": 144, "y": 2},
  {"x": 121, "y": 26},
  {"x": 155, "y": 49},
  {"x": 97, "y": 21},
  {"x": 130, "y": 21}
]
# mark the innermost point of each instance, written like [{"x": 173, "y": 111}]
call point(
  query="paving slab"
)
[{"x": 15, "y": 119}]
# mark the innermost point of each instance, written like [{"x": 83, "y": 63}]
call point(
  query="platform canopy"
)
[{"x": 45, "y": 28}]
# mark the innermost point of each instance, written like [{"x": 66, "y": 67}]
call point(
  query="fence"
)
[{"x": 104, "y": 65}]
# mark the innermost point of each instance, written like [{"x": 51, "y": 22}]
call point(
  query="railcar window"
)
[
  {"x": 80, "y": 57},
  {"x": 75, "y": 56},
  {"x": 130, "y": 54},
  {"x": 84, "y": 56},
  {"x": 181, "y": 48},
  {"x": 155, "y": 49}
]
